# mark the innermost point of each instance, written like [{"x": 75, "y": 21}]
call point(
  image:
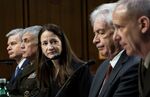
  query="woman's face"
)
[{"x": 50, "y": 44}]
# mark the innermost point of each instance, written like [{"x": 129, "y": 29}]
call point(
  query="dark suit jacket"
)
[
  {"x": 25, "y": 82},
  {"x": 144, "y": 80},
  {"x": 122, "y": 82}
]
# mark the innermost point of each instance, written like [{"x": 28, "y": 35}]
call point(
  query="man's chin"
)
[
  {"x": 129, "y": 52},
  {"x": 11, "y": 57},
  {"x": 24, "y": 56},
  {"x": 102, "y": 55}
]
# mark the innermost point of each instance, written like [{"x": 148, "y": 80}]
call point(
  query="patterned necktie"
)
[{"x": 108, "y": 72}]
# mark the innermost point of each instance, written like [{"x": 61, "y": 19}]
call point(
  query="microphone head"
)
[
  {"x": 90, "y": 62},
  {"x": 56, "y": 56}
]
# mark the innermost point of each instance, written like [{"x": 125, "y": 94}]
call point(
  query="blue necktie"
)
[{"x": 17, "y": 71}]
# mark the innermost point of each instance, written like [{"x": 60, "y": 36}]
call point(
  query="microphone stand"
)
[{"x": 72, "y": 76}]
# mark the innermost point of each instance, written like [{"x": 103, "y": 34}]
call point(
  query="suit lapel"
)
[
  {"x": 146, "y": 83},
  {"x": 27, "y": 70},
  {"x": 24, "y": 65},
  {"x": 123, "y": 58},
  {"x": 14, "y": 81},
  {"x": 140, "y": 78},
  {"x": 26, "y": 62},
  {"x": 144, "y": 79},
  {"x": 98, "y": 80}
]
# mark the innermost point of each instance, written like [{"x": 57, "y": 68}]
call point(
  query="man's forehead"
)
[
  {"x": 16, "y": 40},
  {"x": 120, "y": 13},
  {"x": 15, "y": 35},
  {"x": 100, "y": 22},
  {"x": 120, "y": 9},
  {"x": 13, "y": 38},
  {"x": 28, "y": 35}
]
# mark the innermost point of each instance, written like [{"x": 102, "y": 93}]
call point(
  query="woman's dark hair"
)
[{"x": 46, "y": 68}]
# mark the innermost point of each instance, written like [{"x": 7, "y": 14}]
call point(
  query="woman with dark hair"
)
[{"x": 61, "y": 73}]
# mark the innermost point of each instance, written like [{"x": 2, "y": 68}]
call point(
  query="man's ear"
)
[{"x": 144, "y": 22}]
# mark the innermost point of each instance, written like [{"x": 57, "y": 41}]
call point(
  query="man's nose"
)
[
  {"x": 95, "y": 39},
  {"x": 116, "y": 37},
  {"x": 8, "y": 47},
  {"x": 22, "y": 46}
]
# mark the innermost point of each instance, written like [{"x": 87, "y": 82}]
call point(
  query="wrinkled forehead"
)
[
  {"x": 100, "y": 22},
  {"x": 120, "y": 9},
  {"x": 15, "y": 37},
  {"x": 124, "y": 11},
  {"x": 28, "y": 35},
  {"x": 120, "y": 13}
]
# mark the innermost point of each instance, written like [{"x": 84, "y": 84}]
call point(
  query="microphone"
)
[
  {"x": 89, "y": 63},
  {"x": 56, "y": 56}
]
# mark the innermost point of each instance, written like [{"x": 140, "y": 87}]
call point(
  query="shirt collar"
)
[
  {"x": 115, "y": 59},
  {"x": 21, "y": 63},
  {"x": 147, "y": 61}
]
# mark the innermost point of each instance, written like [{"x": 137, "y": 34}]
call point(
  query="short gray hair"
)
[
  {"x": 34, "y": 30},
  {"x": 136, "y": 8},
  {"x": 15, "y": 31},
  {"x": 103, "y": 11}
]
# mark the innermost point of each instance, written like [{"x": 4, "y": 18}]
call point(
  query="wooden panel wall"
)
[
  {"x": 71, "y": 15},
  {"x": 10, "y": 18},
  {"x": 66, "y": 13}
]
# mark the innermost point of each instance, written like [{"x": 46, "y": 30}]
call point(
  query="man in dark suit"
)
[
  {"x": 131, "y": 20},
  {"x": 23, "y": 82},
  {"x": 14, "y": 51},
  {"x": 122, "y": 80}
]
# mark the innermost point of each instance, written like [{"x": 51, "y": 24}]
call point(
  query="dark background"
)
[{"x": 71, "y": 15}]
